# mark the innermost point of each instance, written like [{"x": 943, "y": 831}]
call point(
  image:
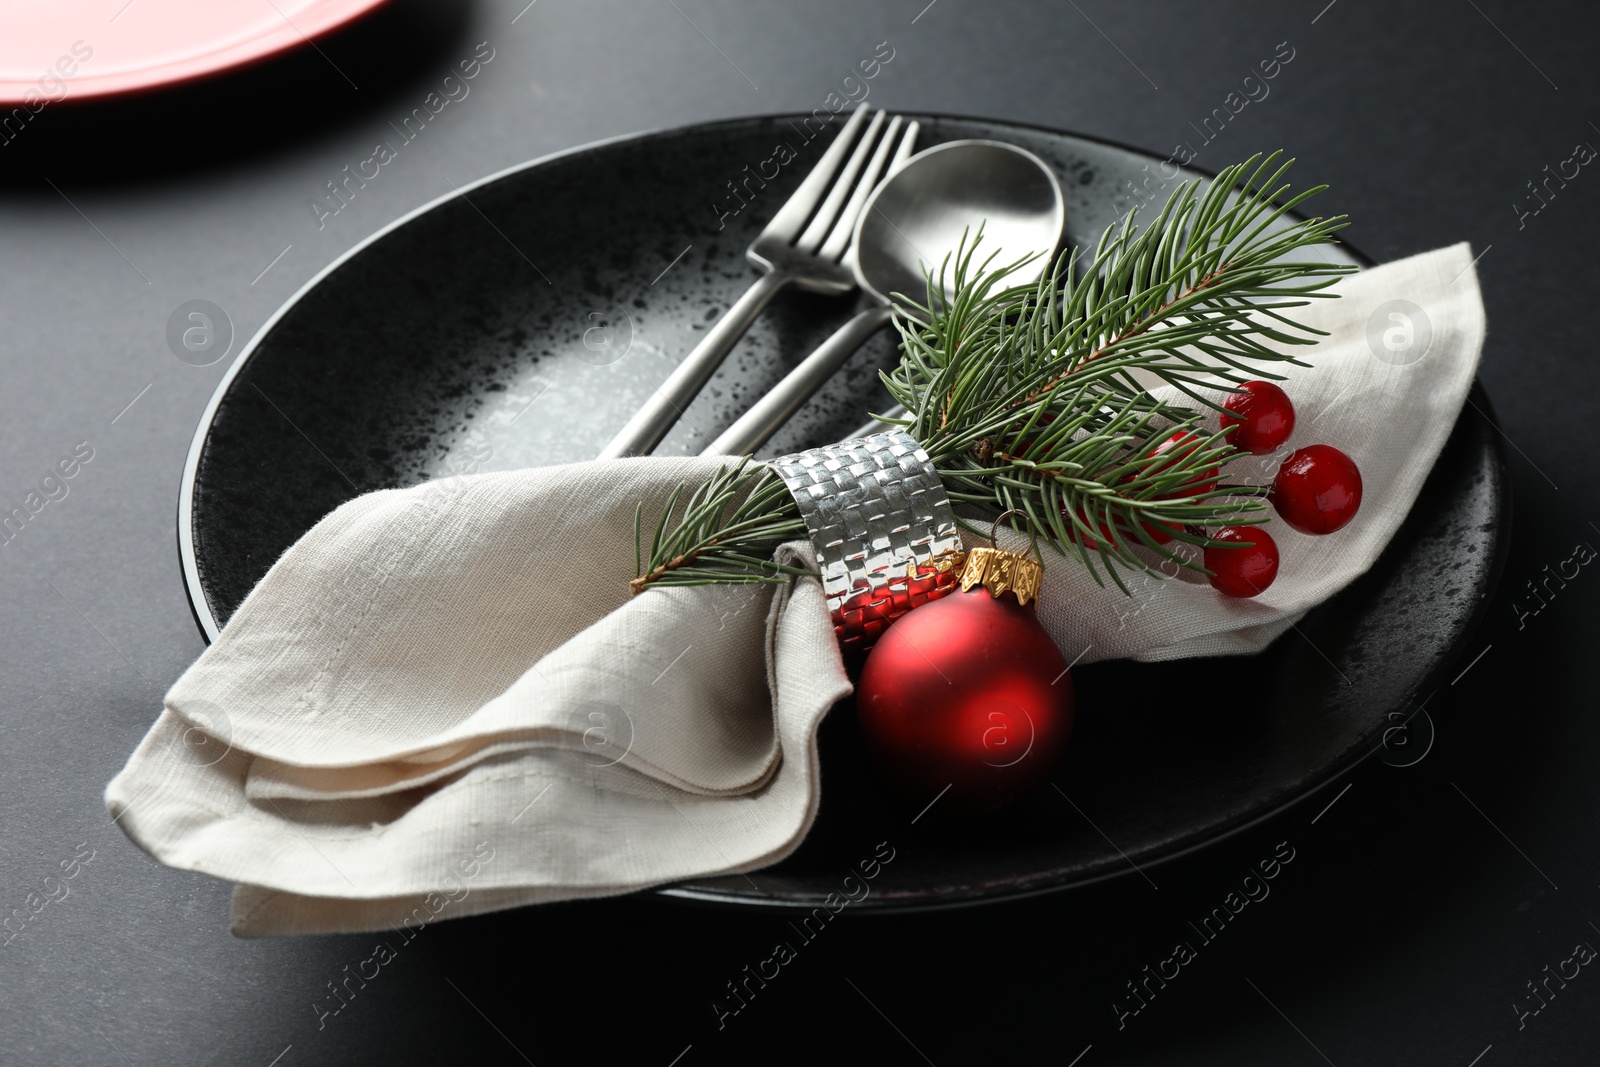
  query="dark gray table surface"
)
[{"x": 1419, "y": 905}]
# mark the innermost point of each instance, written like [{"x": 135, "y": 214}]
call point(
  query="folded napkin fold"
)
[{"x": 442, "y": 699}]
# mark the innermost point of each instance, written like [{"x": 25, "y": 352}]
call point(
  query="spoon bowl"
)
[{"x": 919, "y": 215}]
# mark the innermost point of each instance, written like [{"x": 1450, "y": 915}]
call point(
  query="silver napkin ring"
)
[{"x": 881, "y": 524}]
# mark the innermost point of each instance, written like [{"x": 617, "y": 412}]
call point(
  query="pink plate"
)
[{"x": 52, "y": 50}]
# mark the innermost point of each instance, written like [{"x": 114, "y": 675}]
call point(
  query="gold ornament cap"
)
[{"x": 1000, "y": 571}]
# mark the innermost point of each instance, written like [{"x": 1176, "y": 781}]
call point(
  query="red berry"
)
[
  {"x": 1165, "y": 455},
  {"x": 1242, "y": 572},
  {"x": 1178, "y": 447},
  {"x": 1261, "y": 418},
  {"x": 1159, "y": 532},
  {"x": 1317, "y": 490},
  {"x": 1113, "y": 540}
]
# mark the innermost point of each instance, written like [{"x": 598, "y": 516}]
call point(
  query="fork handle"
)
[
  {"x": 666, "y": 405},
  {"x": 752, "y": 429}
]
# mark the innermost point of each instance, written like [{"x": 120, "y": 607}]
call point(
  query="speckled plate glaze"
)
[{"x": 524, "y": 320}]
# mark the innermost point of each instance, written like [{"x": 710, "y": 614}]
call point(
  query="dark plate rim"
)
[{"x": 954, "y": 898}]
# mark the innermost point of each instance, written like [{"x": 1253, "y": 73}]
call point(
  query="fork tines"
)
[{"x": 829, "y": 200}]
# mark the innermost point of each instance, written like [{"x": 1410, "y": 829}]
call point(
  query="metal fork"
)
[{"x": 804, "y": 245}]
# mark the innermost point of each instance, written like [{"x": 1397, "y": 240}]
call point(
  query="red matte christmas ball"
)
[{"x": 967, "y": 692}]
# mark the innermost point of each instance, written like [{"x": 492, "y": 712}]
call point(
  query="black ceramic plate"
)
[{"x": 527, "y": 318}]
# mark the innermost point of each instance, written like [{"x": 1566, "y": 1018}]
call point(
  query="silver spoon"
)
[{"x": 915, "y": 219}]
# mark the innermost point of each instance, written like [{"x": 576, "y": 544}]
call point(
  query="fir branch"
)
[
  {"x": 1038, "y": 398},
  {"x": 738, "y": 507}
]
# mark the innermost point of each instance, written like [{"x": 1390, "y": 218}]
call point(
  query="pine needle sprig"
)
[
  {"x": 737, "y": 508},
  {"x": 1040, "y": 398}
]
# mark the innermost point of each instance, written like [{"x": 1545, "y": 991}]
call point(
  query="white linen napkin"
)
[{"x": 442, "y": 700}]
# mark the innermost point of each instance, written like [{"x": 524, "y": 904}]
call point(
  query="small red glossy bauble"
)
[
  {"x": 968, "y": 692},
  {"x": 1317, "y": 490},
  {"x": 1242, "y": 572},
  {"x": 1260, "y": 418}
]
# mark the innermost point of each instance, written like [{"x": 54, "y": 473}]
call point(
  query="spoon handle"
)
[
  {"x": 658, "y": 415},
  {"x": 752, "y": 429}
]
